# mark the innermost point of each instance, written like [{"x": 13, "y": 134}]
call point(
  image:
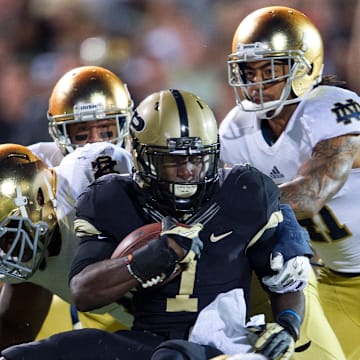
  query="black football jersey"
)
[{"x": 239, "y": 209}]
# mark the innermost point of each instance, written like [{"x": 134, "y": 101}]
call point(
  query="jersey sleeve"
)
[
  {"x": 232, "y": 129},
  {"x": 329, "y": 112},
  {"x": 106, "y": 212},
  {"x": 252, "y": 202},
  {"x": 89, "y": 251},
  {"x": 258, "y": 200},
  {"x": 109, "y": 205},
  {"x": 272, "y": 227},
  {"x": 292, "y": 239},
  {"x": 289, "y": 239},
  {"x": 87, "y": 163}
]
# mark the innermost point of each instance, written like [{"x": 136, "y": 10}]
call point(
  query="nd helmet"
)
[
  {"x": 27, "y": 211},
  {"x": 88, "y": 93},
  {"x": 174, "y": 126},
  {"x": 277, "y": 34}
]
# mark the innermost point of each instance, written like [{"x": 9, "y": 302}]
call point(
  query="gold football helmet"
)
[
  {"x": 88, "y": 93},
  {"x": 174, "y": 126},
  {"x": 276, "y": 33},
  {"x": 27, "y": 211}
]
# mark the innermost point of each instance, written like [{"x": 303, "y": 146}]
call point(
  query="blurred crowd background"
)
[{"x": 150, "y": 44}]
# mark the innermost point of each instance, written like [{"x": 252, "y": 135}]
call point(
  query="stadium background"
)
[{"x": 151, "y": 44}]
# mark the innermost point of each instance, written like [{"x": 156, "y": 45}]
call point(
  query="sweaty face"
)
[
  {"x": 185, "y": 171},
  {"x": 180, "y": 168},
  {"x": 92, "y": 131},
  {"x": 265, "y": 80}
]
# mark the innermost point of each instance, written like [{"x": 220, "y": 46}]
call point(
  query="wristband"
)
[{"x": 291, "y": 321}]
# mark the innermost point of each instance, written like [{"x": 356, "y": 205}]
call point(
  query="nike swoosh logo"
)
[{"x": 215, "y": 238}]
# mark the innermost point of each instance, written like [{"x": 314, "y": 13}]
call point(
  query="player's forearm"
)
[
  {"x": 322, "y": 176},
  {"x": 288, "y": 301},
  {"x": 303, "y": 197},
  {"x": 288, "y": 310},
  {"x": 101, "y": 284}
]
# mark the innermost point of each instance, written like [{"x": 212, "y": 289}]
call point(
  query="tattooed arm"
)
[{"x": 322, "y": 176}]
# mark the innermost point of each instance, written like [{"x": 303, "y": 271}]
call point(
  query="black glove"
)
[
  {"x": 187, "y": 237},
  {"x": 155, "y": 262},
  {"x": 273, "y": 341},
  {"x": 277, "y": 340}
]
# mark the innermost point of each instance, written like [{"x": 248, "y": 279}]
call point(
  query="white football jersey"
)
[
  {"x": 326, "y": 112},
  {"x": 80, "y": 168},
  {"x": 75, "y": 172},
  {"x": 48, "y": 152}
]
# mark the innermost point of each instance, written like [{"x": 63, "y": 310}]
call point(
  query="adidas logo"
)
[{"x": 275, "y": 173}]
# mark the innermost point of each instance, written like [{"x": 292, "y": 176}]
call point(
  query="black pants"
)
[{"x": 94, "y": 344}]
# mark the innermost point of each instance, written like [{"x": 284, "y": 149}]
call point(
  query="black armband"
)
[
  {"x": 153, "y": 263},
  {"x": 291, "y": 321}
]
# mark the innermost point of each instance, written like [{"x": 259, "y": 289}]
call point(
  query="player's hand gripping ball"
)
[{"x": 139, "y": 238}]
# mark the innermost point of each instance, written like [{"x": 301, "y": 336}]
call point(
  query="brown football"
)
[
  {"x": 140, "y": 237},
  {"x": 136, "y": 239}
]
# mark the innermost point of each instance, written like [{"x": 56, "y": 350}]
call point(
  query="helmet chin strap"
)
[
  {"x": 184, "y": 191},
  {"x": 50, "y": 192},
  {"x": 21, "y": 201},
  {"x": 274, "y": 109}
]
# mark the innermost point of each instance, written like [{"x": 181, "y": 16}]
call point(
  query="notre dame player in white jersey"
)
[
  {"x": 303, "y": 131},
  {"x": 88, "y": 104},
  {"x": 38, "y": 242}
]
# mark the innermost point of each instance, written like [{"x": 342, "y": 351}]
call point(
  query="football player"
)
[
  {"x": 88, "y": 104},
  {"x": 217, "y": 225},
  {"x": 37, "y": 238},
  {"x": 303, "y": 131}
]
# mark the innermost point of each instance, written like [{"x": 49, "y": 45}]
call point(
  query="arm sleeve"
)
[
  {"x": 289, "y": 238},
  {"x": 89, "y": 247},
  {"x": 292, "y": 239}
]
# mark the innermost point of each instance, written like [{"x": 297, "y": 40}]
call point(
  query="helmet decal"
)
[
  {"x": 183, "y": 117},
  {"x": 137, "y": 122}
]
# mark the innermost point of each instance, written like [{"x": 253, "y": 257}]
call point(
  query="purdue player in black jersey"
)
[{"x": 236, "y": 224}]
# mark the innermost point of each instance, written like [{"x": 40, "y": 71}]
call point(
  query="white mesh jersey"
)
[
  {"x": 327, "y": 112},
  {"x": 74, "y": 173}
]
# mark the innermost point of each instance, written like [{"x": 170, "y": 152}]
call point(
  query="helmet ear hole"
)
[
  {"x": 311, "y": 69},
  {"x": 40, "y": 197}
]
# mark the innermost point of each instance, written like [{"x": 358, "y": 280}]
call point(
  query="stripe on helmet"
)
[{"x": 184, "y": 121}]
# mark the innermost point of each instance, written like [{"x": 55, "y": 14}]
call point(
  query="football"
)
[
  {"x": 140, "y": 237},
  {"x": 136, "y": 239}
]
